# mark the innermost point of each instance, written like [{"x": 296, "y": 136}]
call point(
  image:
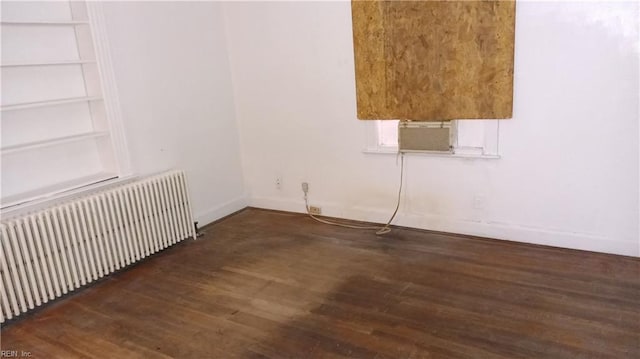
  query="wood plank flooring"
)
[{"x": 279, "y": 285}]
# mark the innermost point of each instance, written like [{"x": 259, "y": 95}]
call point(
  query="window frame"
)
[{"x": 490, "y": 139}]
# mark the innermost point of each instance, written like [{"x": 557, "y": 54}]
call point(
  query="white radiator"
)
[{"x": 46, "y": 254}]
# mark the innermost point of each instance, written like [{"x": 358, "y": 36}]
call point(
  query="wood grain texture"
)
[
  {"x": 434, "y": 60},
  {"x": 279, "y": 285},
  {"x": 370, "y": 62}
]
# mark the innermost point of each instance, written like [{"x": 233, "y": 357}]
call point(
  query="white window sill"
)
[{"x": 394, "y": 151}]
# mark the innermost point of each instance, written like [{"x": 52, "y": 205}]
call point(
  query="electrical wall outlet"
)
[
  {"x": 315, "y": 210},
  {"x": 305, "y": 187},
  {"x": 278, "y": 182},
  {"x": 479, "y": 201}
]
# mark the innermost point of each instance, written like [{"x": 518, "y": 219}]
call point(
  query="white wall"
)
[
  {"x": 173, "y": 78},
  {"x": 568, "y": 175}
]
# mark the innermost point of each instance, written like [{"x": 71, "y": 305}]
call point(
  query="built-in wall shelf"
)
[
  {"x": 46, "y": 23},
  {"x": 51, "y": 63},
  {"x": 23, "y": 106},
  {"x": 61, "y": 125},
  {"x": 52, "y": 142}
]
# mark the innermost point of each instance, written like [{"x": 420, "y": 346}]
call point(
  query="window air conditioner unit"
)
[{"x": 418, "y": 136}]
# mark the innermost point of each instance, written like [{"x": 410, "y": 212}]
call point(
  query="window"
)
[
  {"x": 58, "y": 123},
  {"x": 433, "y": 61},
  {"x": 476, "y": 138}
]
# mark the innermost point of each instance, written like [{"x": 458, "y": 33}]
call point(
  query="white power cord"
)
[{"x": 380, "y": 230}]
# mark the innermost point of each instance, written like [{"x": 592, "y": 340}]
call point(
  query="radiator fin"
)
[{"x": 49, "y": 253}]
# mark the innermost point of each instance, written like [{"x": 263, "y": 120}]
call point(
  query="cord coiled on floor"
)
[{"x": 380, "y": 230}]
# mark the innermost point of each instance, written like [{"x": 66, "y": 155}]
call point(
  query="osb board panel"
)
[
  {"x": 434, "y": 60},
  {"x": 370, "y": 62}
]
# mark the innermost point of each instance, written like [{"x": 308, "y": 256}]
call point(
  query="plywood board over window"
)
[{"x": 434, "y": 60}]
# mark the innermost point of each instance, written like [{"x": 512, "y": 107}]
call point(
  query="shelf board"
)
[
  {"x": 51, "y": 142},
  {"x": 51, "y": 63},
  {"x": 23, "y": 106},
  {"x": 43, "y": 193},
  {"x": 46, "y": 22}
]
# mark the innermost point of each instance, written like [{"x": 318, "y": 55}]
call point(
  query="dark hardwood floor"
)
[{"x": 273, "y": 284}]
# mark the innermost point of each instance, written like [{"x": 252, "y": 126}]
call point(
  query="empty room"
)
[{"x": 320, "y": 179}]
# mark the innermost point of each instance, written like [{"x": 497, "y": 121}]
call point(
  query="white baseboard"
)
[
  {"x": 504, "y": 231},
  {"x": 212, "y": 214}
]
